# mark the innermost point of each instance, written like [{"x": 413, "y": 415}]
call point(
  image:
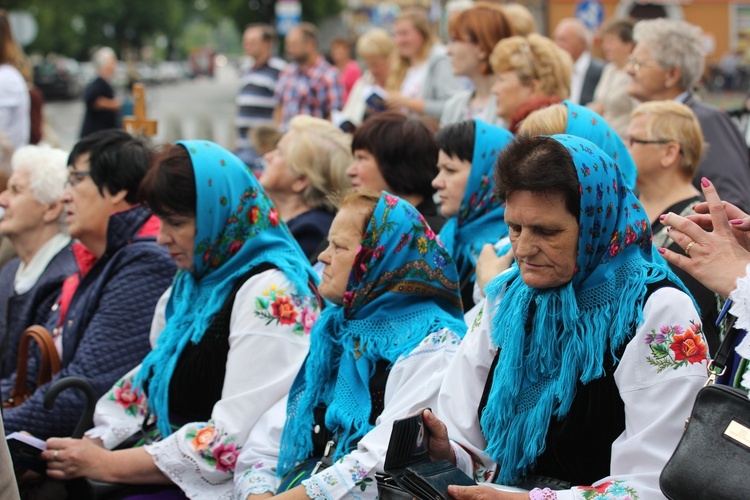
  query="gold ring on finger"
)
[{"x": 688, "y": 247}]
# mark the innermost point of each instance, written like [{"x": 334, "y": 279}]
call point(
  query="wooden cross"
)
[{"x": 139, "y": 124}]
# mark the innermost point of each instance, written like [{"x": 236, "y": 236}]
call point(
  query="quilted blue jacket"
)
[
  {"x": 106, "y": 328},
  {"x": 34, "y": 307}
]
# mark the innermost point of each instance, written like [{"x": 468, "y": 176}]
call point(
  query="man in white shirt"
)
[{"x": 575, "y": 38}]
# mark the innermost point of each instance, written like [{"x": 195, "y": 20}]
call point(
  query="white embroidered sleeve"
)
[
  {"x": 119, "y": 413},
  {"x": 741, "y": 310},
  {"x": 413, "y": 384},
  {"x": 256, "y": 465},
  {"x": 268, "y": 341},
  {"x": 461, "y": 394},
  {"x": 660, "y": 373}
]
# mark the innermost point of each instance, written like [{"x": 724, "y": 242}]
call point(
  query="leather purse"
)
[
  {"x": 712, "y": 460},
  {"x": 409, "y": 472},
  {"x": 49, "y": 364}
]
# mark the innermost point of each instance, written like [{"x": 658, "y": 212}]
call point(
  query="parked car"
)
[{"x": 58, "y": 79}]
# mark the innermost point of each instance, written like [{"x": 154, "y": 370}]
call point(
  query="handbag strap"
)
[
  {"x": 50, "y": 360},
  {"x": 717, "y": 366}
]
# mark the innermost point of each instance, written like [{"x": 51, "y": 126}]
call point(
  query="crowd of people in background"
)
[{"x": 504, "y": 234}]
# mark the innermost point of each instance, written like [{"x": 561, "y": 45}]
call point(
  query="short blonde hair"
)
[
  {"x": 521, "y": 18},
  {"x": 375, "y": 43},
  {"x": 546, "y": 121},
  {"x": 673, "y": 121},
  {"x": 535, "y": 58},
  {"x": 321, "y": 152}
]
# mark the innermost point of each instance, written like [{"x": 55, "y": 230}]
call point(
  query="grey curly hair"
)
[{"x": 673, "y": 44}]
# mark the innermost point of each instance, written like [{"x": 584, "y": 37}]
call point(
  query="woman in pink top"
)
[{"x": 349, "y": 71}]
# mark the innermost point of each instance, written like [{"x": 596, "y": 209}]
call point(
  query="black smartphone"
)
[{"x": 376, "y": 102}]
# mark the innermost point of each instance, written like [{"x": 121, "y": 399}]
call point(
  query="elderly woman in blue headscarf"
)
[
  {"x": 572, "y": 119},
  {"x": 378, "y": 353},
  {"x": 230, "y": 334},
  {"x": 468, "y": 151},
  {"x": 580, "y": 371}
]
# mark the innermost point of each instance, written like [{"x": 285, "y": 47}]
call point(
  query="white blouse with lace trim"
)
[{"x": 268, "y": 341}]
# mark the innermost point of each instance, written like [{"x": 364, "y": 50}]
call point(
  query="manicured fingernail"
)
[
  {"x": 736, "y": 222},
  {"x": 662, "y": 216},
  {"x": 662, "y": 251},
  {"x": 669, "y": 228},
  {"x": 704, "y": 182}
]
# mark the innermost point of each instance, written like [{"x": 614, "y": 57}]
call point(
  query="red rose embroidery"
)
[
  {"x": 252, "y": 215},
  {"x": 235, "y": 246},
  {"x": 126, "y": 397},
  {"x": 226, "y": 457},
  {"x": 364, "y": 255},
  {"x": 273, "y": 216},
  {"x": 614, "y": 249},
  {"x": 689, "y": 346},
  {"x": 284, "y": 311}
]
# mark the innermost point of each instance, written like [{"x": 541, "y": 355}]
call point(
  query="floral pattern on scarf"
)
[
  {"x": 397, "y": 294},
  {"x": 237, "y": 229}
]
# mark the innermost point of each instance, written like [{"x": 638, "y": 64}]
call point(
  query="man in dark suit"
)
[
  {"x": 666, "y": 63},
  {"x": 575, "y": 38}
]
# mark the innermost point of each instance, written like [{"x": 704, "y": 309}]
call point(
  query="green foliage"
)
[{"x": 75, "y": 27}]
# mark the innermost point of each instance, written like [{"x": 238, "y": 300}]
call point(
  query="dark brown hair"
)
[
  {"x": 538, "y": 164},
  {"x": 405, "y": 150},
  {"x": 622, "y": 28},
  {"x": 169, "y": 185}
]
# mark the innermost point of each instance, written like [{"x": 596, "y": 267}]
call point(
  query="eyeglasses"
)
[
  {"x": 634, "y": 140},
  {"x": 637, "y": 65},
  {"x": 76, "y": 176}
]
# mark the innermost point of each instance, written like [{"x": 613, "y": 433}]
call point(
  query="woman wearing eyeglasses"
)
[{"x": 666, "y": 142}]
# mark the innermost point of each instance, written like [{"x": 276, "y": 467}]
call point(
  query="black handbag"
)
[
  {"x": 409, "y": 472},
  {"x": 712, "y": 460}
]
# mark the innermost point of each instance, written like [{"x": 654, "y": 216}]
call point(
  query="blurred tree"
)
[
  {"x": 74, "y": 27},
  {"x": 244, "y": 12}
]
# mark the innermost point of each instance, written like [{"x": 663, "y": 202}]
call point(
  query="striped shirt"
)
[{"x": 256, "y": 101}]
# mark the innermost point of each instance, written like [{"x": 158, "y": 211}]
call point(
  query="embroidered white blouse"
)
[
  {"x": 413, "y": 383},
  {"x": 741, "y": 309},
  {"x": 268, "y": 341},
  {"x": 657, "y": 378}
]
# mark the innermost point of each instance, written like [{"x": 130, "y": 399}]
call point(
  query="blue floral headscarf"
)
[
  {"x": 237, "y": 229},
  {"x": 402, "y": 287},
  {"x": 480, "y": 218},
  {"x": 574, "y": 324},
  {"x": 585, "y": 123}
]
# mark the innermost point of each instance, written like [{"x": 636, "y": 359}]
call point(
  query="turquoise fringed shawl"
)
[
  {"x": 402, "y": 287},
  {"x": 573, "y": 325},
  {"x": 237, "y": 229}
]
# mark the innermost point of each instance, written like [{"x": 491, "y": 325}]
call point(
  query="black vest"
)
[{"x": 578, "y": 447}]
